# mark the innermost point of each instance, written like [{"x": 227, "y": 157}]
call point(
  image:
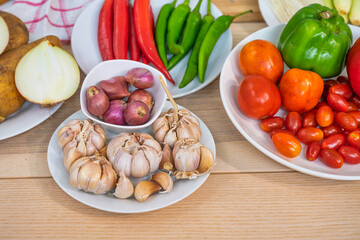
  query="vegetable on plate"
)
[
  {"x": 121, "y": 29},
  {"x": 105, "y": 30},
  {"x": 353, "y": 67}
]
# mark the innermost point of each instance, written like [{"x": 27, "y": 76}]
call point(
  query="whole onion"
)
[
  {"x": 115, "y": 112},
  {"x": 136, "y": 113},
  {"x": 140, "y": 78},
  {"x": 115, "y": 88},
  {"x": 97, "y": 101},
  {"x": 142, "y": 96}
]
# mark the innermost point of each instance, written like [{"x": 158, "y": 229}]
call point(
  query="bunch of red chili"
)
[{"x": 122, "y": 27}]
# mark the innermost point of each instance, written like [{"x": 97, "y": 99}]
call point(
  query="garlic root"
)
[
  {"x": 145, "y": 189},
  {"x": 164, "y": 180},
  {"x": 167, "y": 161}
]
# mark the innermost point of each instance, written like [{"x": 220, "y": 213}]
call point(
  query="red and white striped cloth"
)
[{"x": 47, "y": 17}]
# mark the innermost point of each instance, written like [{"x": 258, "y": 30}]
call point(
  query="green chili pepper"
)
[
  {"x": 192, "y": 66},
  {"x": 191, "y": 29},
  {"x": 175, "y": 25},
  {"x": 160, "y": 29},
  {"x": 220, "y": 25}
]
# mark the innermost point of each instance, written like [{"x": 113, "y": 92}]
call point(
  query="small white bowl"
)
[{"x": 108, "y": 69}]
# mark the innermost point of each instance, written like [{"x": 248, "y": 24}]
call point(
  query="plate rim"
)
[
  {"x": 202, "y": 180},
  {"x": 253, "y": 142}
]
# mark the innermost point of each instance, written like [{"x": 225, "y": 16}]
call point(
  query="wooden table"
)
[{"x": 247, "y": 196}]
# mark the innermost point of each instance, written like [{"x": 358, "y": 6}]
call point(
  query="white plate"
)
[
  {"x": 182, "y": 188},
  {"x": 230, "y": 79},
  {"x": 27, "y": 117},
  {"x": 85, "y": 46},
  {"x": 267, "y": 13}
]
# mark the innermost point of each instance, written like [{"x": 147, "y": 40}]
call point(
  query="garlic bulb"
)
[
  {"x": 136, "y": 154},
  {"x": 124, "y": 187},
  {"x": 80, "y": 138},
  {"x": 191, "y": 158},
  {"x": 93, "y": 174},
  {"x": 166, "y": 130}
]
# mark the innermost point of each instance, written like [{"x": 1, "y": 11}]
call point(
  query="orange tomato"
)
[
  {"x": 261, "y": 58},
  {"x": 287, "y": 144},
  {"x": 300, "y": 90}
]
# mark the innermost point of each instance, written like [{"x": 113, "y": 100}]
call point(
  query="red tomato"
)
[
  {"x": 331, "y": 158},
  {"x": 337, "y": 102},
  {"x": 341, "y": 89},
  {"x": 352, "y": 107},
  {"x": 309, "y": 134},
  {"x": 355, "y": 99},
  {"x": 324, "y": 116},
  {"x": 346, "y": 121},
  {"x": 280, "y": 130},
  {"x": 356, "y": 115},
  {"x": 320, "y": 104},
  {"x": 353, "y": 138},
  {"x": 258, "y": 97},
  {"x": 342, "y": 79},
  {"x": 327, "y": 84},
  {"x": 350, "y": 154},
  {"x": 334, "y": 141},
  {"x": 313, "y": 151},
  {"x": 332, "y": 129},
  {"x": 261, "y": 57},
  {"x": 300, "y": 90},
  {"x": 271, "y": 123},
  {"x": 287, "y": 144},
  {"x": 293, "y": 122},
  {"x": 309, "y": 119}
]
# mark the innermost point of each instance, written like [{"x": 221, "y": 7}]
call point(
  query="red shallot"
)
[
  {"x": 142, "y": 96},
  {"x": 97, "y": 101},
  {"x": 140, "y": 78},
  {"x": 115, "y": 88},
  {"x": 115, "y": 113},
  {"x": 136, "y": 113}
]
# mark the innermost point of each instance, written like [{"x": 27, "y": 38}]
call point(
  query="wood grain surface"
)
[{"x": 247, "y": 196}]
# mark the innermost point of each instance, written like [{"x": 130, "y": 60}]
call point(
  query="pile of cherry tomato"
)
[{"x": 324, "y": 115}]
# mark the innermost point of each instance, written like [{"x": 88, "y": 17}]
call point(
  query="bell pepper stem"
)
[
  {"x": 209, "y": 7},
  {"x": 174, "y": 2},
  {"x": 197, "y": 8},
  {"x": 186, "y": 2},
  {"x": 240, "y": 14},
  {"x": 325, "y": 14}
]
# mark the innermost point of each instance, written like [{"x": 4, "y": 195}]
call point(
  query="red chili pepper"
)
[
  {"x": 121, "y": 29},
  {"x": 145, "y": 60},
  {"x": 105, "y": 30},
  {"x": 134, "y": 47},
  {"x": 145, "y": 36}
]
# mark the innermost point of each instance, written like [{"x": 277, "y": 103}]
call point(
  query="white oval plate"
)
[
  {"x": 85, "y": 46},
  {"x": 28, "y": 116},
  {"x": 182, "y": 188},
  {"x": 267, "y": 13},
  {"x": 230, "y": 80}
]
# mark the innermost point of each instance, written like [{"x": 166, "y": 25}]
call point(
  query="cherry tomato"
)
[
  {"x": 279, "y": 130},
  {"x": 258, "y": 97},
  {"x": 353, "y": 138},
  {"x": 293, "y": 122},
  {"x": 300, "y": 90},
  {"x": 287, "y": 144},
  {"x": 271, "y": 123},
  {"x": 332, "y": 129},
  {"x": 355, "y": 99},
  {"x": 320, "y": 104},
  {"x": 341, "y": 89},
  {"x": 324, "y": 116},
  {"x": 337, "y": 102},
  {"x": 350, "y": 154},
  {"x": 313, "y": 151},
  {"x": 327, "y": 84},
  {"x": 309, "y": 119},
  {"x": 342, "y": 79},
  {"x": 334, "y": 141},
  {"x": 356, "y": 115},
  {"x": 352, "y": 107},
  {"x": 331, "y": 158},
  {"x": 309, "y": 134},
  {"x": 346, "y": 121}
]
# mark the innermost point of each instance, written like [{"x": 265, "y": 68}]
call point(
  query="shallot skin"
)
[
  {"x": 142, "y": 96},
  {"x": 140, "y": 78},
  {"x": 115, "y": 88},
  {"x": 136, "y": 113},
  {"x": 115, "y": 112},
  {"x": 97, "y": 101}
]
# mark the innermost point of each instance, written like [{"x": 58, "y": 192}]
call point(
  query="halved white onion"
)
[
  {"x": 4, "y": 35},
  {"x": 47, "y": 75}
]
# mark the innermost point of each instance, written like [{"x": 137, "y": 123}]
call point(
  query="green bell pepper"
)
[{"x": 317, "y": 39}]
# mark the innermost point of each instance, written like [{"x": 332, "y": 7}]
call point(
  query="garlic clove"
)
[
  {"x": 81, "y": 147},
  {"x": 164, "y": 180},
  {"x": 122, "y": 162},
  {"x": 153, "y": 157},
  {"x": 161, "y": 133},
  {"x": 84, "y": 175},
  {"x": 139, "y": 165},
  {"x": 186, "y": 155},
  {"x": 102, "y": 151},
  {"x": 206, "y": 160},
  {"x": 124, "y": 187},
  {"x": 167, "y": 161},
  {"x": 184, "y": 132},
  {"x": 94, "y": 176},
  {"x": 108, "y": 179},
  {"x": 145, "y": 189},
  {"x": 74, "y": 171},
  {"x": 70, "y": 157},
  {"x": 170, "y": 137},
  {"x": 90, "y": 148}
]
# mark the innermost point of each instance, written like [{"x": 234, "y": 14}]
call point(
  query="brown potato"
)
[
  {"x": 9, "y": 60},
  {"x": 19, "y": 34},
  {"x": 10, "y": 98}
]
